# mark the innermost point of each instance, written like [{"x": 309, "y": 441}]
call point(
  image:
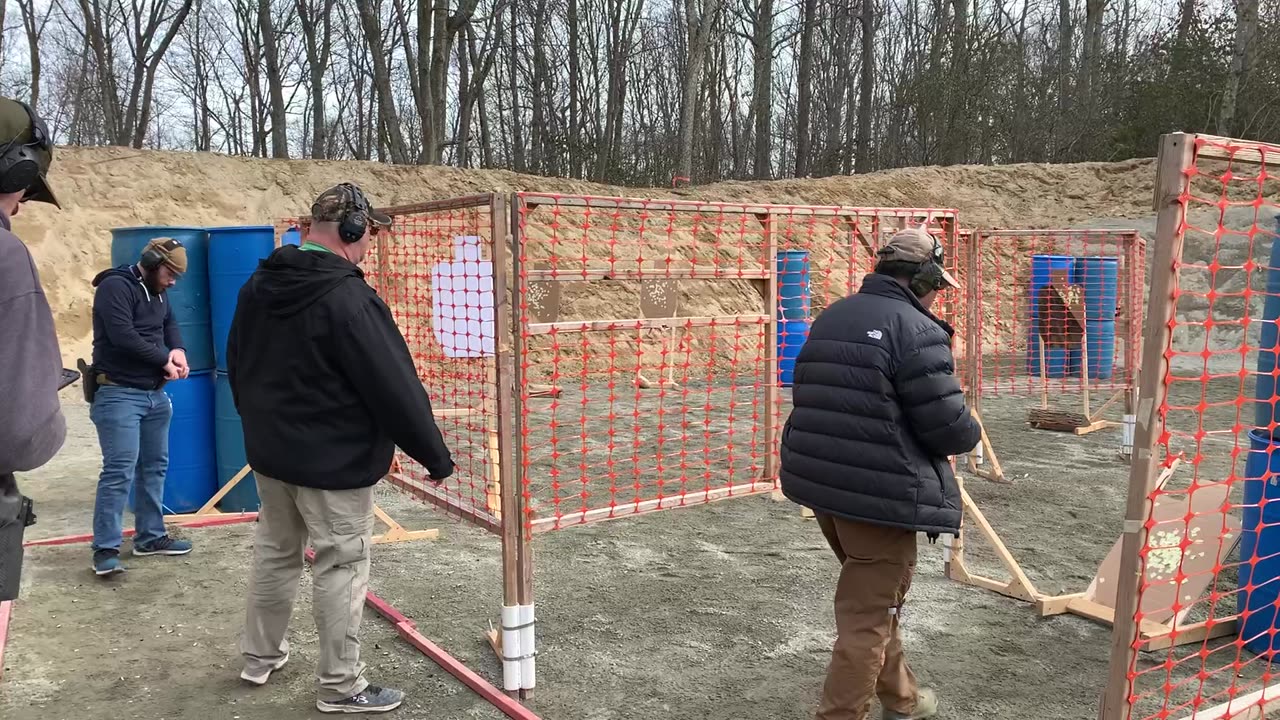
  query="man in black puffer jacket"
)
[{"x": 877, "y": 411}]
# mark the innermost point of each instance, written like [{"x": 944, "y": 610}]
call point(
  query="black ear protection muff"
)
[
  {"x": 151, "y": 258},
  {"x": 356, "y": 221},
  {"x": 929, "y": 275},
  {"x": 19, "y": 164}
]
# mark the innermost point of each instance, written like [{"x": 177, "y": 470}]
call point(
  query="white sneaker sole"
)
[
  {"x": 144, "y": 553},
  {"x": 113, "y": 571},
  {"x": 325, "y": 707},
  {"x": 262, "y": 678}
]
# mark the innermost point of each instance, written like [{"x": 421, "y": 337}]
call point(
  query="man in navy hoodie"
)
[{"x": 136, "y": 348}]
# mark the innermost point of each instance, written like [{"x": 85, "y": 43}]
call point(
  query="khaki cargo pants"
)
[
  {"x": 339, "y": 524},
  {"x": 876, "y": 565}
]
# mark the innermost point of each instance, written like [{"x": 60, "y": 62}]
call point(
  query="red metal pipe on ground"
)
[
  {"x": 211, "y": 521},
  {"x": 405, "y": 627}
]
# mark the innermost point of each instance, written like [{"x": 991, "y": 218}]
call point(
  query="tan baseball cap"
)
[{"x": 916, "y": 245}]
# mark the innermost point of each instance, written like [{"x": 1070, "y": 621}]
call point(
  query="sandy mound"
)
[{"x": 103, "y": 188}]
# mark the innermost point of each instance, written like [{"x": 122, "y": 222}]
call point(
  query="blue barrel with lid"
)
[
  {"x": 234, "y": 253},
  {"x": 793, "y": 284}
]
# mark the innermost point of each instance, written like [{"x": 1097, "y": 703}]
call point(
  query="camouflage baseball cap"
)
[
  {"x": 339, "y": 201},
  {"x": 20, "y": 125},
  {"x": 916, "y": 245}
]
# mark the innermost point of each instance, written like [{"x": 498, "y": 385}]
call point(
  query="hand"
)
[
  {"x": 178, "y": 358},
  {"x": 171, "y": 371},
  {"x": 438, "y": 476}
]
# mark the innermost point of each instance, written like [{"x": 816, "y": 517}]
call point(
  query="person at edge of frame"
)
[
  {"x": 137, "y": 348},
  {"x": 32, "y": 427},
  {"x": 877, "y": 410},
  {"x": 326, "y": 389}
]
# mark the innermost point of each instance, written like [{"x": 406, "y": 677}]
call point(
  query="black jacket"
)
[
  {"x": 877, "y": 410},
  {"x": 133, "y": 330},
  {"x": 322, "y": 377}
]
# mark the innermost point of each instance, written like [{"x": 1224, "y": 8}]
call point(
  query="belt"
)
[{"x": 104, "y": 380}]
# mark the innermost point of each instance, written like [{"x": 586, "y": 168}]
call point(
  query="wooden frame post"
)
[
  {"x": 1176, "y": 156},
  {"x": 772, "y": 396}
]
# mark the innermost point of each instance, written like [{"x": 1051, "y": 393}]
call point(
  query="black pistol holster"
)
[{"x": 88, "y": 380}]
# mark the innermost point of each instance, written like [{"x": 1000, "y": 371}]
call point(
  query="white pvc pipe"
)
[
  {"x": 511, "y": 649},
  {"x": 528, "y": 647}
]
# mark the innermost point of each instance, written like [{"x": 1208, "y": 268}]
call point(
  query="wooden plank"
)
[
  {"x": 632, "y": 509},
  {"x": 572, "y": 326},
  {"x": 533, "y": 200},
  {"x": 440, "y": 499},
  {"x": 580, "y": 274},
  {"x": 1193, "y": 634},
  {"x": 772, "y": 399},
  {"x": 1174, "y": 159},
  {"x": 511, "y": 428},
  {"x": 1245, "y": 151},
  {"x": 1047, "y": 606},
  {"x": 457, "y": 203},
  {"x": 1020, "y": 583},
  {"x": 1250, "y": 706}
]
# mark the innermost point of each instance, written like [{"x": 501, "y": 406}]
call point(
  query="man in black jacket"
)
[
  {"x": 877, "y": 411},
  {"x": 136, "y": 348},
  {"x": 326, "y": 389}
]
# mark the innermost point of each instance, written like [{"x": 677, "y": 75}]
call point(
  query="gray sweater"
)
[{"x": 32, "y": 428}]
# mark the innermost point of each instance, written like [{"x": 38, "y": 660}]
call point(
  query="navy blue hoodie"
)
[{"x": 133, "y": 329}]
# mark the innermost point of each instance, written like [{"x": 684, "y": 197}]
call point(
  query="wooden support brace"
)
[
  {"x": 1019, "y": 587},
  {"x": 397, "y": 533}
]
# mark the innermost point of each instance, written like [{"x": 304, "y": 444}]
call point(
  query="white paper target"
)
[{"x": 462, "y": 304}]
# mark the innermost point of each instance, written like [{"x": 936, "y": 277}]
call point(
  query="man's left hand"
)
[{"x": 179, "y": 359}]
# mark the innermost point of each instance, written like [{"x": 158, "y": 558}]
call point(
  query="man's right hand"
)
[
  {"x": 438, "y": 476},
  {"x": 171, "y": 371}
]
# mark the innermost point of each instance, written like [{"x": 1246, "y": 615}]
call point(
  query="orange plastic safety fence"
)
[
  {"x": 434, "y": 269},
  {"x": 1209, "y": 591},
  {"x": 648, "y": 336},
  {"x": 1057, "y": 304}
]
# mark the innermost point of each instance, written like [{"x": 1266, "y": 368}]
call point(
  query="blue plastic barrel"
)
[
  {"x": 793, "y": 284},
  {"x": 229, "y": 441},
  {"x": 1260, "y": 546},
  {"x": 1269, "y": 341},
  {"x": 191, "y": 479},
  {"x": 1102, "y": 350},
  {"x": 234, "y": 253},
  {"x": 190, "y": 296},
  {"x": 292, "y": 236},
  {"x": 1100, "y": 278},
  {"x": 791, "y": 337},
  {"x": 1056, "y": 359}
]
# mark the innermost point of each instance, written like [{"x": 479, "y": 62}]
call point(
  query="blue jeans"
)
[{"x": 133, "y": 432}]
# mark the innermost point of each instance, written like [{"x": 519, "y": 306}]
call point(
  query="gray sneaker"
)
[
  {"x": 926, "y": 707},
  {"x": 372, "y": 699}
]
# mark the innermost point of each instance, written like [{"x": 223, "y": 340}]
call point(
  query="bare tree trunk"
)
[
  {"x": 575, "y": 127},
  {"x": 804, "y": 102},
  {"x": 762, "y": 88},
  {"x": 1241, "y": 63},
  {"x": 388, "y": 121},
  {"x": 700, "y": 16},
  {"x": 866, "y": 86},
  {"x": 275, "y": 83},
  {"x": 317, "y": 33}
]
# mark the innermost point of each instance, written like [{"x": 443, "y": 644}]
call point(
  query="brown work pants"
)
[{"x": 876, "y": 564}]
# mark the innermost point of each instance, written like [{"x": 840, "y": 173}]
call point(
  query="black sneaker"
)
[
  {"x": 372, "y": 699},
  {"x": 106, "y": 562}
]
